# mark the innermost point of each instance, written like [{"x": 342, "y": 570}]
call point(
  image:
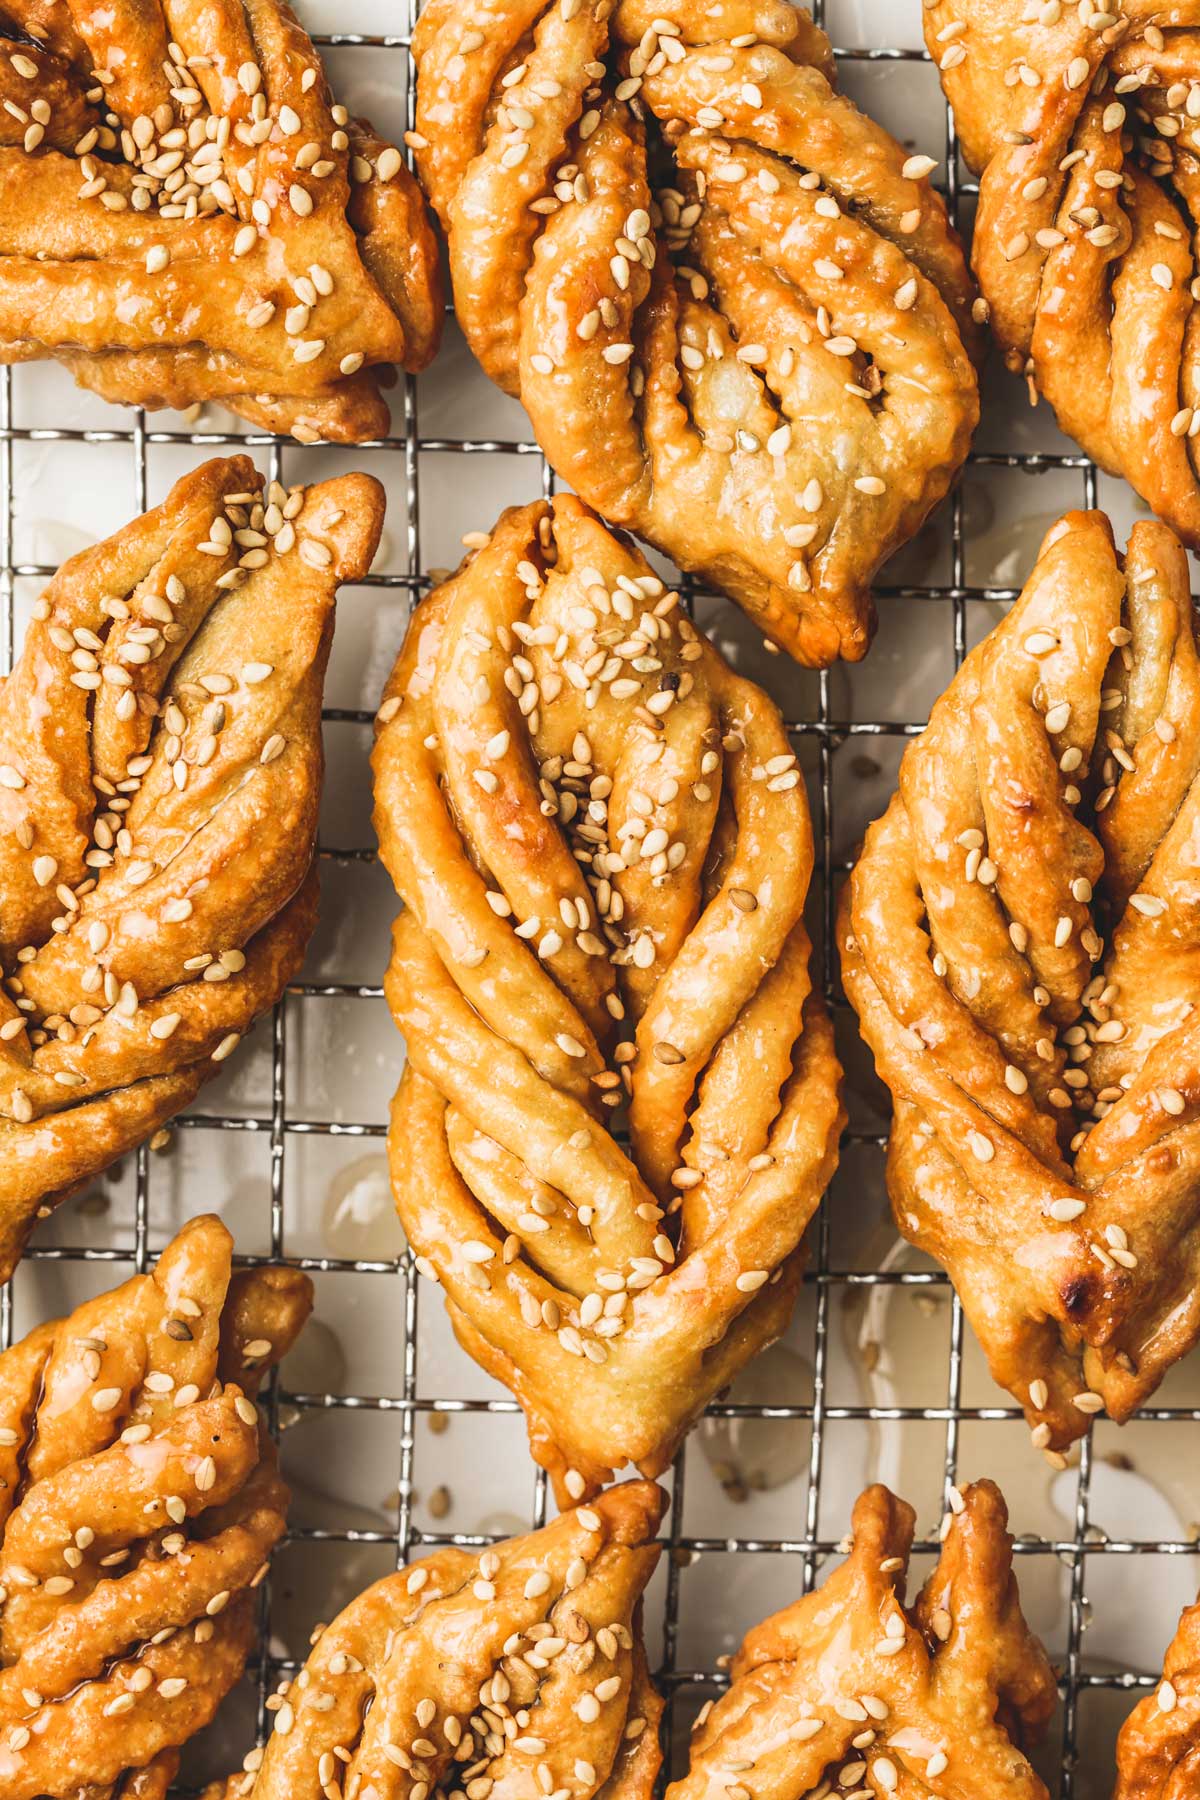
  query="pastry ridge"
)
[
  {"x": 1020, "y": 940},
  {"x": 683, "y": 338},
  {"x": 581, "y": 859},
  {"x": 139, "y": 1502},
  {"x": 160, "y": 773}
]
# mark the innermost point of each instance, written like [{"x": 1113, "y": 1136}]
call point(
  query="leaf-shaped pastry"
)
[
  {"x": 160, "y": 772},
  {"x": 519, "y": 1670},
  {"x": 849, "y": 1691},
  {"x": 1021, "y": 940},
  {"x": 1158, "y": 1751},
  {"x": 602, "y": 839},
  {"x": 732, "y": 306},
  {"x": 1081, "y": 122},
  {"x": 186, "y": 215},
  {"x": 139, "y": 1501}
]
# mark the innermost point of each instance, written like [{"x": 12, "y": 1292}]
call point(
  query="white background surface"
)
[{"x": 887, "y": 1347}]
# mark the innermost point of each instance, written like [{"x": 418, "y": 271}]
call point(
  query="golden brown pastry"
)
[
  {"x": 1021, "y": 940},
  {"x": 1158, "y": 1751},
  {"x": 1082, "y": 123},
  {"x": 160, "y": 772},
  {"x": 850, "y": 1692},
  {"x": 732, "y": 306},
  {"x": 139, "y": 1501},
  {"x": 185, "y": 215},
  {"x": 603, "y": 843},
  {"x": 519, "y": 1671}
]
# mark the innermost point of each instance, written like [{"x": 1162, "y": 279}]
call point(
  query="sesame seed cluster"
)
[
  {"x": 1082, "y": 120},
  {"x": 731, "y": 304},
  {"x": 1019, "y": 939},
  {"x": 186, "y": 215},
  {"x": 139, "y": 1501},
  {"x": 519, "y": 1669},
  {"x": 601, "y": 836},
  {"x": 160, "y": 772},
  {"x": 848, "y": 1692}
]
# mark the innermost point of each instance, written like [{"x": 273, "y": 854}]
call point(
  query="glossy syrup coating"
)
[
  {"x": 1082, "y": 123},
  {"x": 509, "y": 1672},
  {"x": 186, "y": 215},
  {"x": 139, "y": 1501},
  {"x": 731, "y": 304},
  {"x": 603, "y": 844},
  {"x": 160, "y": 774},
  {"x": 1021, "y": 940}
]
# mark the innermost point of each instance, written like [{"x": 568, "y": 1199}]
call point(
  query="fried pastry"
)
[
  {"x": 186, "y": 215},
  {"x": 1021, "y": 940},
  {"x": 603, "y": 845},
  {"x": 519, "y": 1670},
  {"x": 139, "y": 1501},
  {"x": 160, "y": 772},
  {"x": 1158, "y": 1751},
  {"x": 1081, "y": 123},
  {"x": 731, "y": 305},
  {"x": 850, "y": 1692}
]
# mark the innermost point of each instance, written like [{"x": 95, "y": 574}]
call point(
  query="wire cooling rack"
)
[{"x": 939, "y": 1418}]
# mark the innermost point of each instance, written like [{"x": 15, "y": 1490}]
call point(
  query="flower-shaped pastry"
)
[
  {"x": 850, "y": 1692},
  {"x": 1082, "y": 123},
  {"x": 139, "y": 1501},
  {"x": 519, "y": 1670},
  {"x": 185, "y": 215},
  {"x": 732, "y": 306},
  {"x": 1021, "y": 940},
  {"x": 602, "y": 840},
  {"x": 160, "y": 771},
  {"x": 1158, "y": 1751}
]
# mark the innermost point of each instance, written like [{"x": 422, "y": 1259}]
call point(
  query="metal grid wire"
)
[{"x": 284, "y": 1133}]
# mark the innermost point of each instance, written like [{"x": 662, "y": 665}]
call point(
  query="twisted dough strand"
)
[
  {"x": 1021, "y": 940},
  {"x": 849, "y": 1687},
  {"x": 138, "y": 1502},
  {"x": 470, "y": 1675},
  {"x": 753, "y": 357},
  {"x": 160, "y": 773},
  {"x": 598, "y": 830},
  {"x": 1082, "y": 125}
]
